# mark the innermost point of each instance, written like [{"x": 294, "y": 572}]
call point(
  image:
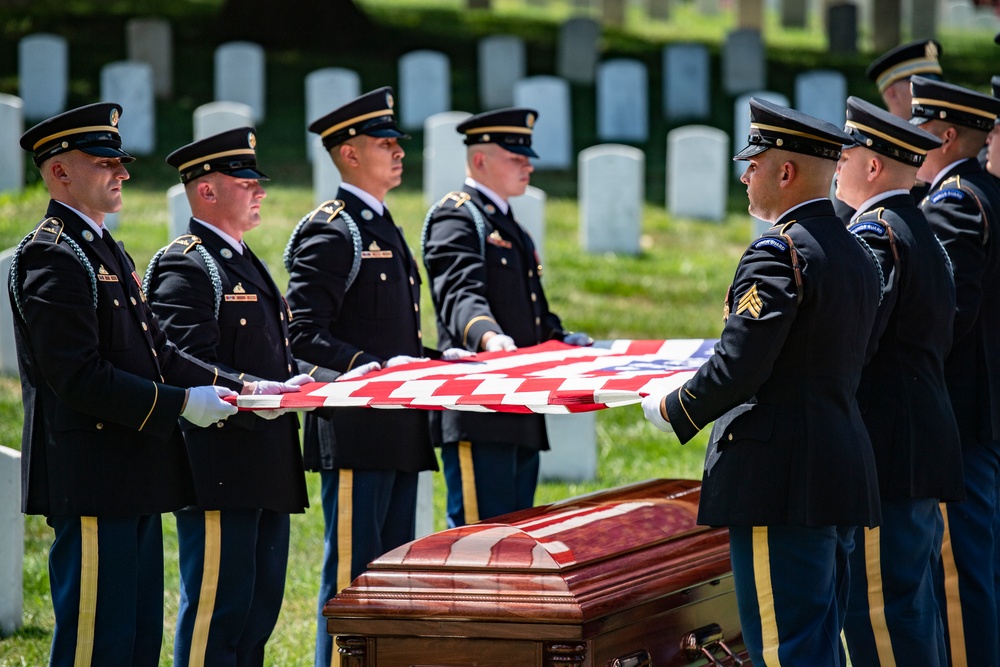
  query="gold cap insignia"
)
[
  {"x": 388, "y": 100},
  {"x": 239, "y": 289},
  {"x": 374, "y": 247},
  {"x": 530, "y": 121},
  {"x": 750, "y": 302},
  {"x": 930, "y": 51},
  {"x": 114, "y": 117},
  {"x": 252, "y": 140}
]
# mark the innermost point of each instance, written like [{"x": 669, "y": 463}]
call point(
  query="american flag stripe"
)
[{"x": 549, "y": 378}]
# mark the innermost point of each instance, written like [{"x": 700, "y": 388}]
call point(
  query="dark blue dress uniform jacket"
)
[
  {"x": 903, "y": 396},
  {"x": 962, "y": 210},
  {"x": 474, "y": 294},
  {"x": 101, "y": 386},
  {"x": 800, "y": 455},
  {"x": 339, "y": 328},
  {"x": 244, "y": 461}
]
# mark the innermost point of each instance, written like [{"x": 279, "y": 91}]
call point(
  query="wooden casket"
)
[{"x": 620, "y": 578}]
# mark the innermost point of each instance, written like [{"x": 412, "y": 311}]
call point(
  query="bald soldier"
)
[{"x": 790, "y": 471}]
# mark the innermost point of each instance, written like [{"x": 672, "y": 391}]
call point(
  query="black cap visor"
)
[{"x": 107, "y": 151}]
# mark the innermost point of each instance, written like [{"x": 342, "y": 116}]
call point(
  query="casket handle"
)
[
  {"x": 637, "y": 659},
  {"x": 705, "y": 641}
]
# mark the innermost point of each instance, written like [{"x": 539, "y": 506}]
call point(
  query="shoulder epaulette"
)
[
  {"x": 958, "y": 192},
  {"x": 872, "y": 221},
  {"x": 188, "y": 242},
  {"x": 331, "y": 209},
  {"x": 49, "y": 230},
  {"x": 460, "y": 199}
]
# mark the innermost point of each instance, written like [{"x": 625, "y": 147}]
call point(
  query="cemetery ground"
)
[{"x": 673, "y": 289}]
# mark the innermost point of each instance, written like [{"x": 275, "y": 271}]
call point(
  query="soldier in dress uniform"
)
[
  {"x": 101, "y": 453},
  {"x": 217, "y": 302},
  {"x": 791, "y": 471},
  {"x": 963, "y": 209},
  {"x": 892, "y": 617},
  {"x": 891, "y": 72},
  {"x": 486, "y": 284},
  {"x": 354, "y": 293}
]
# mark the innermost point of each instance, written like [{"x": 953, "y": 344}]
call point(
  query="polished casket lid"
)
[
  {"x": 562, "y": 535},
  {"x": 573, "y": 562}
]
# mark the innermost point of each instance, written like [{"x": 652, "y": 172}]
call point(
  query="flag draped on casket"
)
[{"x": 549, "y": 378}]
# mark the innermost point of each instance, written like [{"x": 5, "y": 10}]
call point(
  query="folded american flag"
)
[{"x": 549, "y": 378}]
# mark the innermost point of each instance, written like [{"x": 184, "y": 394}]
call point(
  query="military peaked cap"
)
[
  {"x": 904, "y": 61},
  {"x": 995, "y": 83},
  {"x": 232, "y": 153},
  {"x": 775, "y": 126},
  {"x": 92, "y": 129},
  {"x": 370, "y": 114},
  {"x": 875, "y": 128},
  {"x": 937, "y": 100},
  {"x": 509, "y": 128}
]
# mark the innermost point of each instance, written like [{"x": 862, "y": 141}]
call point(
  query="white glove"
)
[
  {"x": 400, "y": 359},
  {"x": 651, "y": 410},
  {"x": 270, "y": 414},
  {"x": 456, "y": 353},
  {"x": 273, "y": 388},
  {"x": 578, "y": 338},
  {"x": 360, "y": 370},
  {"x": 300, "y": 380},
  {"x": 500, "y": 343},
  {"x": 205, "y": 405}
]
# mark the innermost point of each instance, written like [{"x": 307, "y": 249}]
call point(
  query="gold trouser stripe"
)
[
  {"x": 345, "y": 523},
  {"x": 876, "y": 597},
  {"x": 765, "y": 596},
  {"x": 470, "y": 502},
  {"x": 209, "y": 588},
  {"x": 88, "y": 592},
  {"x": 953, "y": 601}
]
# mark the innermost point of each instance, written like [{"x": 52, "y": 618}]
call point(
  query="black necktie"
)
[{"x": 112, "y": 245}]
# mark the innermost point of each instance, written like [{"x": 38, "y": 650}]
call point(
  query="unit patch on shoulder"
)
[
  {"x": 873, "y": 227},
  {"x": 770, "y": 242},
  {"x": 947, "y": 193},
  {"x": 750, "y": 302}
]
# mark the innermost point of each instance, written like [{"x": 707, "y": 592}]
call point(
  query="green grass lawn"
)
[{"x": 673, "y": 289}]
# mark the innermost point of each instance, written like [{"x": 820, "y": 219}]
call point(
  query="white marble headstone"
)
[
  {"x": 552, "y": 138},
  {"x": 12, "y": 544},
  {"x": 178, "y": 212},
  {"x": 572, "y": 456},
  {"x": 240, "y": 76},
  {"x": 11, "y": 155},
  {"x": 328, "y": 89},
  {"x": 424, "y": 87},
  {"x": 576, "y": 58},
  {"x": 697, "y": 172},
  {"x": 741, "y": 122},
  {"x": 130, "y": 84},
  {"x": 529, "y": 211},
  {"x": 686, "y": 81},
  {"x": 8, "y": 348},
  {"x": 444, "y": 155},
  {"x": 326, "y": 176},
  {"x": 43, "y": 75},
  {"x": 150, "y": 40},
  {"x": 216, "y": 117},
  {"x": 743, "y": 62},
  {"x": 822, "y": 93},
  {"x": 611, "y": 192},
  {"x": 501, "y": 65},
  {"x": 622, "y": 101}
]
